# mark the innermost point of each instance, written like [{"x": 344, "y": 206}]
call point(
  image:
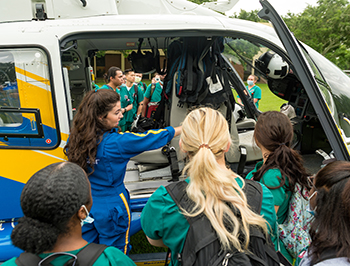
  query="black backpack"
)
[
  {"x": 85, "y": 257},
  {"x": 202, "y": 246}
]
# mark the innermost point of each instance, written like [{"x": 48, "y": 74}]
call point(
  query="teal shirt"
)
[
  {"x": 157, "y": 93},
  {"x": 110, "y": 256},
  {"x": 161, "y": 219},
  {"x": 125, "y": 100},
  {"x": 142, "y": 86},
  {"x": 106, "y": 87},
  {"x": 133, "y": 99},
  {"x": 281, "y": 197},
  {"x": 255, "y": 93}
]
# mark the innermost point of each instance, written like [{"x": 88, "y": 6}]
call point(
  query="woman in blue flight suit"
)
[{"x": 103, "y": 152}]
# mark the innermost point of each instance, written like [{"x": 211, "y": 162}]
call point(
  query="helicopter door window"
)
[
  {"x": 27, "y": 117},
  {"x": 243, "y": 55}
]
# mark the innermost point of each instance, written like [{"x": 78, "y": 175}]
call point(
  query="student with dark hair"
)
[
  {"x": 114, "y": 79},
  {"x": 282, "y": 167},
  {"x": 138, "y": 81},
  {"x": 131, "y": 91},
  {"x": 55, "y": 202},
  {"x": 103, "y": 152},
  {"x": 330, "y": 229}
]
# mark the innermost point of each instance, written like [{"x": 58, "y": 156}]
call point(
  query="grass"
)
[
  {"x": 269, "y": 101},
  {"x": 140, "y": 244}
]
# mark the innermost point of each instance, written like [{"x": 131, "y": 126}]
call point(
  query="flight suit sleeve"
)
[{"x": 131, "y": 144}]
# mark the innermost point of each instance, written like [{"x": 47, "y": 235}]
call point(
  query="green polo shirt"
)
[
  {"x": 157, "y": 92},
  {"x": 133, "y": 99}
]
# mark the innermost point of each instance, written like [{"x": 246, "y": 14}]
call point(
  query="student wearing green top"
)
[
  {"x": 281, "y": 167},
  {"x": 56, "y": 202},
  {"x": 138, "y": 81},
  {"x": 211, "y": 186},
  {"x": 254, "y": 91},
  {"x": 153, "y": 93},
  {"x": 129, "y": 90},
  {"x": 113, "y": 79}
]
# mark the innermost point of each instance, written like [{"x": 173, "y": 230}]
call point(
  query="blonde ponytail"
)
[{"x": 205, "y": 138}]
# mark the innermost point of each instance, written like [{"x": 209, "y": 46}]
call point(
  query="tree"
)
[
  {"x": 252, "y": 16},
  {"x": 199, "y": 1},
  {"x": 325, "y": 28}
]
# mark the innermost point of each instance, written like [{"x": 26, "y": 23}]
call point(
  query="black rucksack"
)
[
  {"x": 86, "y": 257},
  {"x": 146, "y": 62},
  {"x": 202, "y": 246}
]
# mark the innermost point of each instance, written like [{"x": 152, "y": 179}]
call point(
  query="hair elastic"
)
[
  {"x": 204, "y": 146},
  {"x": 282, "y": 144}
]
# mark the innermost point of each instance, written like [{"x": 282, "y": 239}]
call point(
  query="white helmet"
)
[{"x": 272, "y": 65}]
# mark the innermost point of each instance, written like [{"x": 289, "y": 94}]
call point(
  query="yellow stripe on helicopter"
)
[
  {"x": 35, "y": 92},
  {"x": 32, "y": 76},
  {"x": 22, "y": 164}
]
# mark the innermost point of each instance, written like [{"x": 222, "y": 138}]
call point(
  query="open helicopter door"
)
[{"x": 308, "y": 74}]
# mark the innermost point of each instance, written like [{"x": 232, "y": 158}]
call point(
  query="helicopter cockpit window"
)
[
  {"x": 27, "y": 116},
  {"x": 243, "y": 55}
]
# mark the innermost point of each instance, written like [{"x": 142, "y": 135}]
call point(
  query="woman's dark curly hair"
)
[
  {"x": 87, "y": 130},
  {"x": 274, "y": 132},
  {"x": 49, "y": 200},
  {"x": 330, "y": 229}
]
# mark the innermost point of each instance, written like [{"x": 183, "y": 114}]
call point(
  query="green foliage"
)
[
  {"x": 325, "y": 28},
  {"x": 241, "y": 47},
  {"x": 251, "y": 16},
  {"x": 199, "y": 1},
  {"x": 100, "y": 54},
  {"x": 126, "y": 52}
]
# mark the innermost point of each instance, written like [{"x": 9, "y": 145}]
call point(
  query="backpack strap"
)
[
  {"x": 136, "y": 89},
  {"x": 326, "y": 255},
  {"x": 253, "y": 192},
  {"x": 153, "y": 87},
  {"x": 88, "y": 255},
  {"x": 28, "y": 259},
  {"x": 177, "y": 191}
]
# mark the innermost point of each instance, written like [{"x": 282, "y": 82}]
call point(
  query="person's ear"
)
[
  {"x": 180, "y": 145},
  {"x": 228, "y": 147},
  {"x": 81, "y": 213}
]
